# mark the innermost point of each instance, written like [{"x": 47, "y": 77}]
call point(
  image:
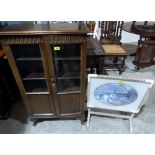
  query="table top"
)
[
  {"x": 143, "y": 32},
  {"x": 94, "y": 48},
  {"x": 36, "y": 29},
  {"x": 127, "y": 27}
]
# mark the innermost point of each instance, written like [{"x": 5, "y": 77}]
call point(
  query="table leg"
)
[
  {"x": 130, "y": 123},
  {"x": 88, "y": 117},
  {"x": 139, "y": 43}
]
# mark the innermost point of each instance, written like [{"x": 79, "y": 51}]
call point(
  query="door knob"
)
[{"x": 53, "y": 80}]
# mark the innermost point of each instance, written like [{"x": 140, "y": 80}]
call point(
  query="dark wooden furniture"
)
[
  {"x": 49, "y": 64},
  {"x": 145, "y": 53},
  {"x": 3, "y": 25},
  {"x": 5, "y": 104},
  {"x": 8, "y": 89},
  {"x": 95, "y": 53},
  {"x": 115, "y": 55},
  {"x": 111, "y": 32}
]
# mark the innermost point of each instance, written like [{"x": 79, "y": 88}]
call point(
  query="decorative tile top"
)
[{"x": 115, "y": 94}]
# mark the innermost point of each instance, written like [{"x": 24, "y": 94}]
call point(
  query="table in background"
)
[
  {"x": 99, "y": 61},
  {"x": 146, "y": 42}
]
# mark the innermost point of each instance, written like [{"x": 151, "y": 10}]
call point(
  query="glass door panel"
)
[
  {"x": 30, "y": 66},
  {"x": 66, "y": 60}
]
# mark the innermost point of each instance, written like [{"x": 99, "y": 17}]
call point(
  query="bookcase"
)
[{"x": 49, "y": 65}]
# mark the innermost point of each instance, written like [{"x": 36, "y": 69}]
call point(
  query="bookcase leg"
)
[
  {"x": 83, "y": 121},
  {"x": 35, "y": 123}
]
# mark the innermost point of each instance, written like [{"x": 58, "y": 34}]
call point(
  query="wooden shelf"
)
[
  {"x": 38, "y": 91},
  {"x": 70, "y": 90},
  {"x": 68, "y": 58},
  {"x": 35, "y": 76},
  {"x": 69, "y": 76},
  {"x": 28, "y": 59},
  {"x": 63, "y": 78}
]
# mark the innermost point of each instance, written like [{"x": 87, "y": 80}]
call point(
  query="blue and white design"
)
[{"x": 115, "y": 94}]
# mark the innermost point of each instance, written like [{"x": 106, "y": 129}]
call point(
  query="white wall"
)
[{"x": 129, "y": 37}]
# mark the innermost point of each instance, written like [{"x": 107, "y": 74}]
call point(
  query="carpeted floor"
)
[{"x": 143, "y": 123}]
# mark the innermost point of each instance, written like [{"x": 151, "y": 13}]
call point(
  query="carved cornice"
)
[
  {"x": 52, "y": 39},
  {"x": 21, "y": 40},
  {"x": 56, "y": 39}
]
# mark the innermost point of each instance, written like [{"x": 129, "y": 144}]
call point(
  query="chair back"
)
[{"x": 111, "y": 32}]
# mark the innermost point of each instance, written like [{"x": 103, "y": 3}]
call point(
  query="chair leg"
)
[
  {"x": 121, "y": 67},
  {"x": 120, "y": 70},
  {"x": 94, "y": 71},
  {"x": 88, "y": 117}
]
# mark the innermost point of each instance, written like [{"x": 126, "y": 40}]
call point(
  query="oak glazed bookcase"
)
[{"x": 49, "y": 64}]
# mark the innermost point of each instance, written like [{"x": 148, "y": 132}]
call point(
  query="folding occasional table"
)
[{"x": 116, "y": 96}]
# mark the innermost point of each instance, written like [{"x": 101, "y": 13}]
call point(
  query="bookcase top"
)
[{"x": 39, "y": 29}]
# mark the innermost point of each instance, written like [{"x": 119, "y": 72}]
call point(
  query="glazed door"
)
[
  {"x": 66, "y": 59},
  {"x": 32, "y": 68},
  {"x": 65, "y": 68}
]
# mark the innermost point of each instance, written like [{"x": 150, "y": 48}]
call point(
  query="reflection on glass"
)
[
  {"x": 67, "y": 67},
  {"x": 30, "y": 67}
]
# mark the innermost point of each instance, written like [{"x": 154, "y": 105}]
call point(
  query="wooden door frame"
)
[
  {"x": 83, "y": 75},
  {"x": 14, "y": 68},
  {"x": 52, "y": 78},
  {"x": 16, "y": 75},
  {"x": 47, "y": 75},
  {"x": 48, "y": 41}
]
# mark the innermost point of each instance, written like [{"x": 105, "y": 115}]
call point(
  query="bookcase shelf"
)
[
  {"x": 28, "y": 59},
  {"x": 38, "y": 91},
  {"x": 35, "y": 76},
  {"x": 68, "y": 58}
]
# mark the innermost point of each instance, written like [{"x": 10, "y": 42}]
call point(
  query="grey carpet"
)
[{"x": 143, "y": 123}]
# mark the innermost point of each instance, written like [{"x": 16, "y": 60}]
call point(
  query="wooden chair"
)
[{"x": 114, "y": 55}]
